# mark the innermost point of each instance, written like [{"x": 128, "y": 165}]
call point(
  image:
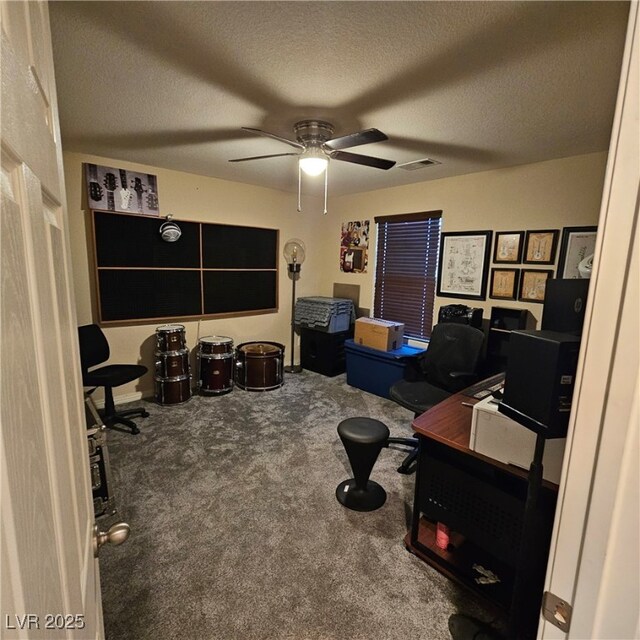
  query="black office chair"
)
[
  {"x": 449, "y": 364},
  {"x": 94, "y": 350}
]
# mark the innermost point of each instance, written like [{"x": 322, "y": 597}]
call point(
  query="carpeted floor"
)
[{"x": 237, "y": 535}]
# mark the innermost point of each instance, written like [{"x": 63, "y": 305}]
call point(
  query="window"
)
[{"x": 406, "y": 269}]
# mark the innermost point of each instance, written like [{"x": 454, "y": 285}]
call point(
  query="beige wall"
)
[
  {"x": 545, "y": 195},
  {"x": 192, "y": 197}
]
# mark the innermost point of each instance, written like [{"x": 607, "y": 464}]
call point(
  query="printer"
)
[{"x": 498, "y": 437}]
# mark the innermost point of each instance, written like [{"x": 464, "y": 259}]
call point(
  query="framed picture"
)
[
  {"x": 354, "y": 243},
  {"x": 112, "y": 189},
  {"x": 507, "y": 249},
  {"x": 540, "y": 246},
  {"x": 504, "y": 284},
  {"x": 464, "y": 262},
  {"x": 353, "y": 259},
  {"x": 576, "y": 252},
  {"x": 533, "y": 283}
]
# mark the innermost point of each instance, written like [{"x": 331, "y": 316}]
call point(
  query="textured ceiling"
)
[{"x": 475, "y": 85}]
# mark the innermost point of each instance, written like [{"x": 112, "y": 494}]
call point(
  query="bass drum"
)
[
  {"x": 220, "y": 345},
  {"x": 173, "y": 390},
  {"x": 215, "y": 373},
  {"x": 170, "y": 337},
  {"x": 259, "y": 366},
  {"x": 171, "y": 364}
]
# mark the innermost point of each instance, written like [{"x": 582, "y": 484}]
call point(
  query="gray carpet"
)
[{"x": 236, "y": 532}]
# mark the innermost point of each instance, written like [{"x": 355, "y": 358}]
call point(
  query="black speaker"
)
[
  {"x": 539, "y": 381},
  {"x": 564, "y": 304}
]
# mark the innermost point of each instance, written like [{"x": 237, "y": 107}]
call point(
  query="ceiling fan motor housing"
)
[{"x": 313, "y": 132}]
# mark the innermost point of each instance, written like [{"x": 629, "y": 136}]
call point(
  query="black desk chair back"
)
[
  {"x": 94, "y": 350},
  {"x": 450, "y": 363}
]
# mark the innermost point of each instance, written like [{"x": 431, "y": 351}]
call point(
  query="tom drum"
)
[
  {"x": 215, "y": 364},
  {"x": 220, "y": 345},
  {"x": 170, "y": 337},
  {"x": 171, "y": 364},
  {"x": 259, "y": 366},
  {"x": 173, "y": 390}
]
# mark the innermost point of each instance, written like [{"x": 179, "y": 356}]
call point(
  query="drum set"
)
[{"x": 252, "y": 366}]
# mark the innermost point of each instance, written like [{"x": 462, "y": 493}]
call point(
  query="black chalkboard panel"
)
[
  {"x": 134, "y": 241},
  {"x": 229, "y": 247},
  {"x": 229, "y": 291},
  {"x": 148, "y": 293}
]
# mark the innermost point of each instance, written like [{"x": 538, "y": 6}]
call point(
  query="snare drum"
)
[
  {"x": 259, "y": 366},
  {"x": 171, "y": 364},
  {"x": 215, "y": 345},
  {"x": 173, "y": 390},
  {"x": 170, "y": 337}
]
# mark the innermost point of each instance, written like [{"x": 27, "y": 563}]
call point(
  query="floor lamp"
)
[{"x": 294, "y": 255}]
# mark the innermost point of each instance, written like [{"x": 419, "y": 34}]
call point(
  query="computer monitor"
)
[{"x": 565, "y": 301}]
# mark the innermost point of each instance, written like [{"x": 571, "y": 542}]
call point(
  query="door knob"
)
[{"x": 117, "y": 534}]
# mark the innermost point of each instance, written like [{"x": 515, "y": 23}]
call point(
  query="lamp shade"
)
[{"x": 294, "y": 251}]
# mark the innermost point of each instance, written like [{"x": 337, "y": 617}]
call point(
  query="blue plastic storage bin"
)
[{"x": 373, "y": 370}]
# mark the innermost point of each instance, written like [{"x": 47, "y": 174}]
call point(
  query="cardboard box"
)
[
  {"x": 379, "y": 334},
  {"x": 498, "y": 437}
]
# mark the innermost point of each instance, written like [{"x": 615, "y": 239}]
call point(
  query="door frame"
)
[{"x": 593, "y": 558}]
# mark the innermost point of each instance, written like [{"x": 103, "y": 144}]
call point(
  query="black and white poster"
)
[{"x": 110, "y": 189}]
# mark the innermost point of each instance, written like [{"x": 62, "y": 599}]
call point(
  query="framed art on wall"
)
[
  {"x": 508, "y": 246},
  {"x": 533, "y": 283},
  {"x": 111, "y": 189},
  {"x": 464, "y": 262},
  {"x": 540, "y": 246},
  {"x": 576, "y": 252},
  {"x": 504, "y": 284},
  {"x": 354, "y": 243}
]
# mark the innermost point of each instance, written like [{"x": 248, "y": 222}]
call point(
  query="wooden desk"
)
[{"x": 482, "y": 501}]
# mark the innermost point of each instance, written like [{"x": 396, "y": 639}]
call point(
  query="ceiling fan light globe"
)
[
  {"x": 313, "y": 162},
  {"x": 313, "y": 166}
]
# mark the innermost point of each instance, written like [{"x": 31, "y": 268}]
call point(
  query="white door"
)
[
  {"x": 595, "y": 551},
  {"x": 50, "y": 584}
]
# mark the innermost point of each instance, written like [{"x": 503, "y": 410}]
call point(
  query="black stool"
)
[{"x": 363, "y": 438}]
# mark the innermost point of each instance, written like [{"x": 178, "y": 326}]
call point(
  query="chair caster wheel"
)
[
  {"x": 145, "y": 414},
  {"x": 407, "y": 471},
  {"x": 135, "y": 432}
]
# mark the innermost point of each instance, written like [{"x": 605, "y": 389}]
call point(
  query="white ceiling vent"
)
[{"x": 418, "y": 164}]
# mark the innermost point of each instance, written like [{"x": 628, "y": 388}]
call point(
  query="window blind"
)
[{"x": 406, "y": 270}]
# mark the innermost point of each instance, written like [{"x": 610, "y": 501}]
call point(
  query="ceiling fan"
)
[{"x": 316, "y": 147}]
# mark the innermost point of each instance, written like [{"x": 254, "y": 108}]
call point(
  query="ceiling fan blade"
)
[
  {"x": 260, "y": 132},
  {"x": 273, "y": 155},
  {"x": 354, "y": 139},
  {"x": 356, "y": 158}
]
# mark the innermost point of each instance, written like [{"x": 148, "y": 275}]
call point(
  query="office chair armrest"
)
[{"x": 462, "y": 379}]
